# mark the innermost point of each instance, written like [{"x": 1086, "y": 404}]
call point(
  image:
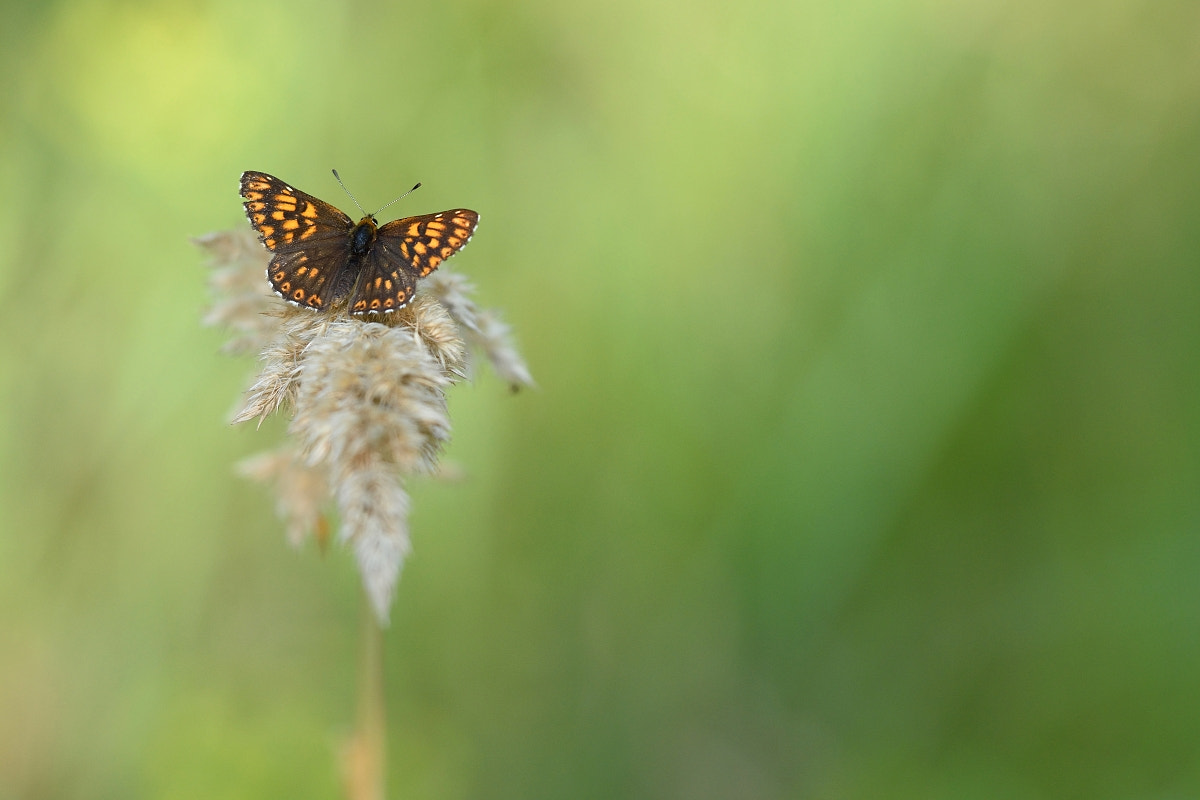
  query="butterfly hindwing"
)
[
  {"x": 387, "y": 283},
  {"x": 310, "y": 276}
]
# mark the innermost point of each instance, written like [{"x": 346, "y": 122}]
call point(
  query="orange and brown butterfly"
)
[{"x": 320, "y": 255}]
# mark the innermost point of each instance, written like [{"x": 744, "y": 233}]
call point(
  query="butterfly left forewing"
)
[{"x": 286, "y": 218}]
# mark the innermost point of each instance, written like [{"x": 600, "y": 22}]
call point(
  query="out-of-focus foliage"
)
[{"x": 866, "y": 452}]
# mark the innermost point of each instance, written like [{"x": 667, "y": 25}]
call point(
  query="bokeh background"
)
[{"x": 866, "y": 453}]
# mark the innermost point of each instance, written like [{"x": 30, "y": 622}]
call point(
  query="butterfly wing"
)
[
  {"x": 408, "y": 249},
  {"x": 386, "y": 284},
  {"x": 308, "y": 238},
  {"x": 426, "y": 241}
]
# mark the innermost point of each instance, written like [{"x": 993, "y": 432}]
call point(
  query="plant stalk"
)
[{"x": 364, "y": 756}]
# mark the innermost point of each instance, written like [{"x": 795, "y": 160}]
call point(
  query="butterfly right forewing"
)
[
  {"x": 309, "y": 239},
  {"x": 425, "y": 241}
]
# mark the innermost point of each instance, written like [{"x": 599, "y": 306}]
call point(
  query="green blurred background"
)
[{"x": 864, "y": 461}]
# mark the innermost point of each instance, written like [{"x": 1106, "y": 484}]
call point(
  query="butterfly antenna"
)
[
  {"x": 347, "y": 191},
  {"x": 401, "y": 197}
]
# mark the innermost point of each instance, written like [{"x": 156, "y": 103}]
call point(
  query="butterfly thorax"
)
[{"x": 362, "y": 236}]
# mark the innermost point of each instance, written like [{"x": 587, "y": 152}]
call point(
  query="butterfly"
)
[{"x": 320, "y": 256}]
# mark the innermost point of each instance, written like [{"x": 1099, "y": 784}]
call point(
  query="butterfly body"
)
[
  {"x": 320, "y": 256},
  {"x": 363, "y": 236}
]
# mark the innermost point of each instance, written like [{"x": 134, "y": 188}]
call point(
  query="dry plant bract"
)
[{"x": 366, "y": 398}]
